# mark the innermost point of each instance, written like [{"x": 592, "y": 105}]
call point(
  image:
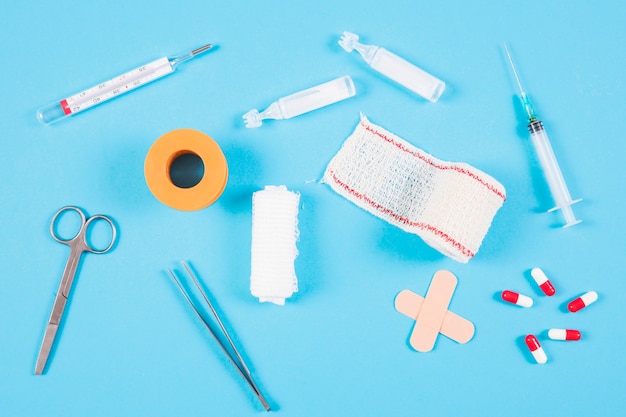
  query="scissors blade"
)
[
  {"x": 51, "y": 330},
  {"x": 46, "y": 347}
]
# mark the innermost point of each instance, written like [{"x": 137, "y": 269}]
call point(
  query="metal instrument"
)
[
  {"x": 78, "y": 245},
  {"x": 230, "y": 350}
]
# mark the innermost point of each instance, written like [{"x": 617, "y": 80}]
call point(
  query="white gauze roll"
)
[
  {"x": 450, "y": 205},
  {"x": 274, "y": 234}
]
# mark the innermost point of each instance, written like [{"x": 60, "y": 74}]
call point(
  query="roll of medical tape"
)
[{"x": 166, "y": 150}]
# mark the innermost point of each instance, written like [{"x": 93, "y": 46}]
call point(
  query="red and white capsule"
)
[
  {"x": 564, "y": 334},
  {"x": 542, "y": 280},
  {"x": 517, "y": 299},
  {"x": 583, "y": 301},
  {"x": 535, "y": 348}
]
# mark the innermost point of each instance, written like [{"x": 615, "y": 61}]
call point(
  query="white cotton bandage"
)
[
  {"x": 274, "y": 234},
  {"x": 450, "y": 205}
]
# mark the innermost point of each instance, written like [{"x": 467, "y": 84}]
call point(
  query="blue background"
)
[{"x": 129, "y": 344}]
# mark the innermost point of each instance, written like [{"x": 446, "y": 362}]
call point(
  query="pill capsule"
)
[
  {"x": 517, "y": 299},
  {"x": 542, "y": 280},
  {"x": 563, "y": 334},
  {"x": 583, "y": 301},
  {"x": 536, "y": 349}
]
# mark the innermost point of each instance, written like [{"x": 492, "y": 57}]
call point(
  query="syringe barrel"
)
[
  {"x": 407, "y": 74},
  {"x": 551, "y": 169}
]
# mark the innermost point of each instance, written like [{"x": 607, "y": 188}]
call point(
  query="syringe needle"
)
[
  {"x": 528, "y": 107},
  {"x": 506, "y": 48}
]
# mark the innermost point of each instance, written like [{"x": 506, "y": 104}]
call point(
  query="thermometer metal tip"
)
[{"x": 202, "y": 49}]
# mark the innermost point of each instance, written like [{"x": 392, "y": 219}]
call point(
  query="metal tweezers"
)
[{"x": 236, "y": 360}]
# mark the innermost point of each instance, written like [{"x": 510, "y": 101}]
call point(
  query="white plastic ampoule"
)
[
  {"x": 303, "y": 101},
  {"x": 395, "y": 67}
]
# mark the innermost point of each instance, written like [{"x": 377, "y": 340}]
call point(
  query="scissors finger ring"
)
[{"x": 80, "y": 238}]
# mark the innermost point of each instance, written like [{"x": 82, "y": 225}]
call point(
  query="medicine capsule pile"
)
[
  {"x": 542, "y": 280},
  {"x": 517, "y": 299},
  {"x": 583, "y": 301},
  {"x": 535, "y": 348},
  {"x": 577, "y": 304}
]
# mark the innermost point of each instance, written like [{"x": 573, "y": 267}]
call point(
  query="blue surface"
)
[{"x": 130, "y": 346}]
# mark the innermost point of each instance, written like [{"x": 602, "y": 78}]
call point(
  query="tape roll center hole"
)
[{"x": 186, "y": 170}]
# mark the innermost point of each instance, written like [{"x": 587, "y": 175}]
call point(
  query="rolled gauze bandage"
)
[
  {"x": 274, "y": 234},
  {"x": 450, "y": 205}
]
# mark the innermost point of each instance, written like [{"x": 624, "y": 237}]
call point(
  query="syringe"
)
[
  {"x": 547, "y": 160},
  {"x": 114, "y": 87}
]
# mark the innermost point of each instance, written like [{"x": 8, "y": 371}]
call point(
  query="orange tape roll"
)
[{"x": 170, "y": 147}]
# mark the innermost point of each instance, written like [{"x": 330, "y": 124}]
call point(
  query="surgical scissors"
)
[{"x": 78, "y": 244}]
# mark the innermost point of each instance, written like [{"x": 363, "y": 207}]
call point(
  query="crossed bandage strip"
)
[{"x": 431, "y": 313}]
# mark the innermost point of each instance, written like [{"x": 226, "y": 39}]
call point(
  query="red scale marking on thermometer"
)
[{"x": 66, "y": 107}]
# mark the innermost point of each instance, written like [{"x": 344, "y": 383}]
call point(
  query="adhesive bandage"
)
[
  {"x": 274, "y": 234},
  {"x": 450, "y": 205},
  {"x": 431, "y": 313}
]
